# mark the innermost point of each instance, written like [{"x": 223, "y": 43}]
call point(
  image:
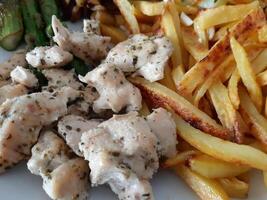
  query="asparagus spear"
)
[
  {"x": 34, "y": 26},
  {"x": 11, "y": 26},
  {"x": 48, "y": 8},
  {"x": 80, "y": 67}
]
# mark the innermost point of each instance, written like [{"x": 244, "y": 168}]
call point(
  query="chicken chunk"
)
[
  {"x": 82, "y": 105},
  {"x": 87, "y": 46},
  {"x": 115, "y": 91},
  {"x": 18, "y": 58},
  {"x": 91, "y": 26},
  {"x": 10, "y": 91},
  {"x": 65, "y": 176},
  {"x": 58, "y": 78},
  {"x": 122, "y": 152},
  {"x": 71, "y": 128},
  {"x": 47, "y": 57},
  {"x": 163, "y": 126},
  {"x": 23, "y": 76},
  {"x": 22, "y": 118},
  {"x": 144, "y": 55}
]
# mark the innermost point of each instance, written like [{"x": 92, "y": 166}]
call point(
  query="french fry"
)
[
  {"x": 192, "y": 44},
  {"x": 127, "y": 11},
  {"x": 149, "y": 8},
  {"x": 175, "y": 74},
  {"x": 145, "y": 28},
  {"x": 103, "y": 17},
  {"x": 234, "y": 187},
  {"x": 262, "y": 34},
  {"x": 217, "y": 54},
  {"x": 262, "y": 78},
  {"x": 206, "y": 189},
  {"x": 144, "y": 110},
  {"x": 224, "y": 14},
  {"x": 179, "y": 158},
  {"x": 226, "y": 112},
  {"x": 260, "y": 62},
  {"x": 120, "y": 21},
  {"x": 188, "y": 9},
  {"x": 142, "y": 17},
  {"x": 206, "y": 107},
  {"x": 246, "y": 73},
  {"x": 223, "y": 31},
  {"x": 116, "y": 34},
  {"x": 257, "y": 122},
  {"x": 210, "y": 167},
  {"x": 167, "y": 80},
  {"x": 221, "y": 149},
  {"x": 171, "y": 29},
  {"x": 233, "y": 89},
  {"x": 160, "y": 96},
  {"x": 215, "y": 75}
]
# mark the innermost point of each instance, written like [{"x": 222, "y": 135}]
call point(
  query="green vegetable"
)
[
  {"x": 34, "y": 26},
  {"x": 11, "y": 25},
  {"x": 80, "y": 67},
  {"x": 48, "y": 9},
  {"x": 42, "y": 80}
]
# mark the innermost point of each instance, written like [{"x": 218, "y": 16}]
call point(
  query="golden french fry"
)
[
  {"x": 210, "y": 167},
  {"x": 188, "y": 9},
  {"x": 175, "y": 74},
  {"x": 141, "y": 17},
  {"x": 144, "y": 110},
  {"x": 149, "y": 8},
  {"x": 103, "y": 17},
  {"x": 262, "y": 78},
  {"x": 127, "y": 11},
  {"x": 160, "y": 96},
  {"x": 206, "y": 107},
  {"x": 145, "y": 28},
  {"x": 223, "y": 31},
  {"x": 171, "y": 27},
  {"x": 257, "y": 122},
  {"x": 215, "y": 75},
  {"x": 120, "y": 21},
  {"x": 116, "y": 34},
  {"x": 233, "y": 89},
  {"x": 167, "y": 80},
  {"x": 234, "y": 187},
  {"x": 263, "y": 34},
  {"x": 246, "y": 73},
  {"x": 179, "y": 158},
  {"x": 217, "y": 54},
  {"x": 192, "y": 44},
  {"x": 260, "y": 62},
  {"x": 226, "y": 112},
  {"x": 221, "y": 149},
  {"x": 206, "y": 189},
  {"x": 223, "y": 14}
]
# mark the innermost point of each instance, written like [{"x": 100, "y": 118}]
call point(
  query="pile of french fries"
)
[{"x": 215, "y": 85}]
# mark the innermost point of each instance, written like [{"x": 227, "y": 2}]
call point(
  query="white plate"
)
[{"x": 19, "y": 184}]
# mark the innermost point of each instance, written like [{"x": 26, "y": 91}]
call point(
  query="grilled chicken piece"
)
[
  {"x": 10, "y": 91},
  {"x": 115, "y": 91},
  {"x": 163, "y": 126},
  {"x": 65, "y": 176},
  {"x": 24, "y": 77},
  {"x": 18, "y": 58},
  {"x": 144, "y": 55},
  {"x": 58, "y": 78},
  {"x": 91, "y": 26},
  {"x": 22, "y": 118},
  {"x": 87, "y": 46},
  {"x": 82, "y": 105},
  {"x": 122, "y": 152},
  {"x": 71, "y": 128},
  {"x": 47, "y": 57}
]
